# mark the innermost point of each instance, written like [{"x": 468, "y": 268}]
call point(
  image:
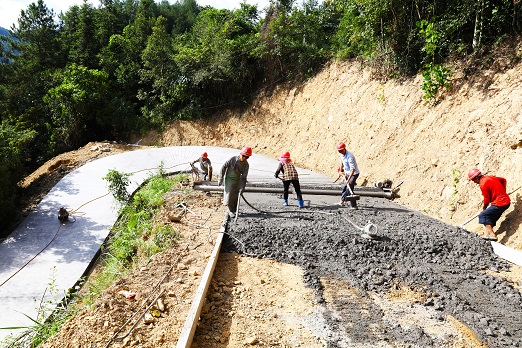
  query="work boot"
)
[
  {"x": 300, "y": 203},
  {"x": 285, "y": 202}
]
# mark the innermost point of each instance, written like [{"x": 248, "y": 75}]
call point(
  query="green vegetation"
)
[
  {"x": 130, "y": 65},
  {"x": 48, "y": 321},
  {"x": 134, "y": 239},
  {"x": 117, "y": 183},
  {"x": 455, "y": 173}
]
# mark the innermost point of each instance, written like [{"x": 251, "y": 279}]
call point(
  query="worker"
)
[
  {"x": 290, "y": 176},
  {"x": 351, "y": 173},
  {"x": 496, "y": 200},
  {"x": 234, "y": 174},
  {"x": 205, "y": 166}
]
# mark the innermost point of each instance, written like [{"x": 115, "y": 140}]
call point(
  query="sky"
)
[{"x": 10, "y": 9}]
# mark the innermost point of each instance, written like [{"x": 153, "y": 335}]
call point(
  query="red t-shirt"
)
[{"x": 494, "y": 190}]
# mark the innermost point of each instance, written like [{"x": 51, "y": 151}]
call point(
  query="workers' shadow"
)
[{"x": 513, "y": 220}]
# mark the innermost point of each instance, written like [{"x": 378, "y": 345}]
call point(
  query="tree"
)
[
  {"x": 79, "y": 35},
  {"x": 37, "y": 39},
  {"x": 77, "y": 106},
  {"x": 13, "y": 141},
  {"x": 216, "y": 60},
  {"x": 159, "y": 74}
]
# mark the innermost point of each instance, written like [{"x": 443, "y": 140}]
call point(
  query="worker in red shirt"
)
[{"x": 496, "y": 200}]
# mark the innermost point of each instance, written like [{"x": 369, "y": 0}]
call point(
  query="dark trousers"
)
[
  {"x": 347, "y": 192},
  {"x": 297, "y": 188},
  {"x": 205, "y": 175},
  {"x": 491, "y": 214}
]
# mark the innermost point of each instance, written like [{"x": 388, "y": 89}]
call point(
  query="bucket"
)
[{"x": 370, "y": 228}]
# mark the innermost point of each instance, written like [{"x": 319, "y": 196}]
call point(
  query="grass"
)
[{"x": 134, "y": 238}]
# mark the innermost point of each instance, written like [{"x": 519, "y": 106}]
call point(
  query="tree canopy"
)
[{"x": 130, "y": 65}]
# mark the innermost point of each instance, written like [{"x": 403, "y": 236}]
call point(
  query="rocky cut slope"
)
[{"x": 393, "y": 133}]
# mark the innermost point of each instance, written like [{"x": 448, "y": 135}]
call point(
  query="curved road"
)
[{"x": 64, "y": 251}]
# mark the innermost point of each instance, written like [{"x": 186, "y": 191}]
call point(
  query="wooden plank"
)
[{"x": 189, "y": 328}]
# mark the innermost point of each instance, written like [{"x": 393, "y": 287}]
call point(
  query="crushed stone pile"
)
[{"x": 408, "y": 248}]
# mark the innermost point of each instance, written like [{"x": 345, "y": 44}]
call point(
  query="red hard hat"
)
[
  {"x": 246, "y": 151},
  {"x": 285, "y": 155},
  {"x": 473, "y": 173},
  {"x": 204, "y": 155},
  {"x": 341, "y": 146}
]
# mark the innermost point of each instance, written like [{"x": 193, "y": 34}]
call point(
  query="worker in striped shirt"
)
[{"x": 290, "y": 176}]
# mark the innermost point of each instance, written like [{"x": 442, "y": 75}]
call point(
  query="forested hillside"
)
[{"x": 126, "y": 66}]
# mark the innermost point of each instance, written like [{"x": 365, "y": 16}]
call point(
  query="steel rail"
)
[{"x": 306, "y": 191}]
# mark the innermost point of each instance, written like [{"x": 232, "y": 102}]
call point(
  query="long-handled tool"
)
[
  {"x": 352, "y": 197},
  {"x": 237, "y": 208},
  {"x": 467, "y": 221}
]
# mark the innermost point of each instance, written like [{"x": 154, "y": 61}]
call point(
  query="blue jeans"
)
[
  {"x": 491, "y": 214},
  {"x": 346, "y": 192}
]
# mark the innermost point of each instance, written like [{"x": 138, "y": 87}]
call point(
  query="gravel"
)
[{"x": 408, "y": 248}]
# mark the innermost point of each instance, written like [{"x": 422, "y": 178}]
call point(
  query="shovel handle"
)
[{"x": 471, "y": 218}]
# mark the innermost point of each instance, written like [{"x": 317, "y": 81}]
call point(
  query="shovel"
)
[
  {"x": 352, "y": 197},
  {"x": 468, "y": 220}
]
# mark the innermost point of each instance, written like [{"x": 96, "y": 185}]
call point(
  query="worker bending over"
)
[
  {"x": 290, "y": 176},
  {"x": 496, "y": 200},
  {"x": 234, "y": 174},
  {"x": 205, "y": 166}
]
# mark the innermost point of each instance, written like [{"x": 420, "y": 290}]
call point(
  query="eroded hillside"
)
[{"x": 393, "y": 133}]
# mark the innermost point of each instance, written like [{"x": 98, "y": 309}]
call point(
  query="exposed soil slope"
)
[{"x": 393, "y": 133}]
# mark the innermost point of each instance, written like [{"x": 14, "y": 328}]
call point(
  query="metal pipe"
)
[{"x": 322, "y": 192}]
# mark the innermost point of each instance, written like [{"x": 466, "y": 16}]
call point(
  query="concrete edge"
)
[
  {"x": 507, "y": 253},
  {"x": 189, "y": 328}
]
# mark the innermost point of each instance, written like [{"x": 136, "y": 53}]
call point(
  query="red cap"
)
[
  {"x": 285, "y": 157},
  {"x": 473, "y": 173},
  {"x": 246, "y": 151},
  {"x": 341, "y": 146},
  {"x": 204, "y": 155}
]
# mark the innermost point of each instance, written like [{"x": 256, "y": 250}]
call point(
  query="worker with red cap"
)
[
  {"x": 205, "y": 166},
  {"x": 290, "y": 176},
  {"x": 351, "y": 173},
  {"x": 234, "y": 174},
  {"x": 496, "y": 200}
]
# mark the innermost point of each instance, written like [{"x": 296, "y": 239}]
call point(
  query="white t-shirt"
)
[{"x": 349, "y": 163}]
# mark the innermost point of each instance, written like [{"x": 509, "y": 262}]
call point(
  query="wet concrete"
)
[{"x": 446, "y": 263}]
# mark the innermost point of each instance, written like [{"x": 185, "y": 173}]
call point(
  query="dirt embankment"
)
[{"x": 393, "y": 133}]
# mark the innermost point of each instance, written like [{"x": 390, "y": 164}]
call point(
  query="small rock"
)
[
  {"x": 504, "y": 332},
  {"x": 161, "y": 305},
  {"x": 489, "y": 332},
  {"x": 251, "y": 340},
  {"x": 148, "y": 318}
]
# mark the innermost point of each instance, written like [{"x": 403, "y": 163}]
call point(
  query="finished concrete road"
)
[{"x": 43, "y": 258}]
